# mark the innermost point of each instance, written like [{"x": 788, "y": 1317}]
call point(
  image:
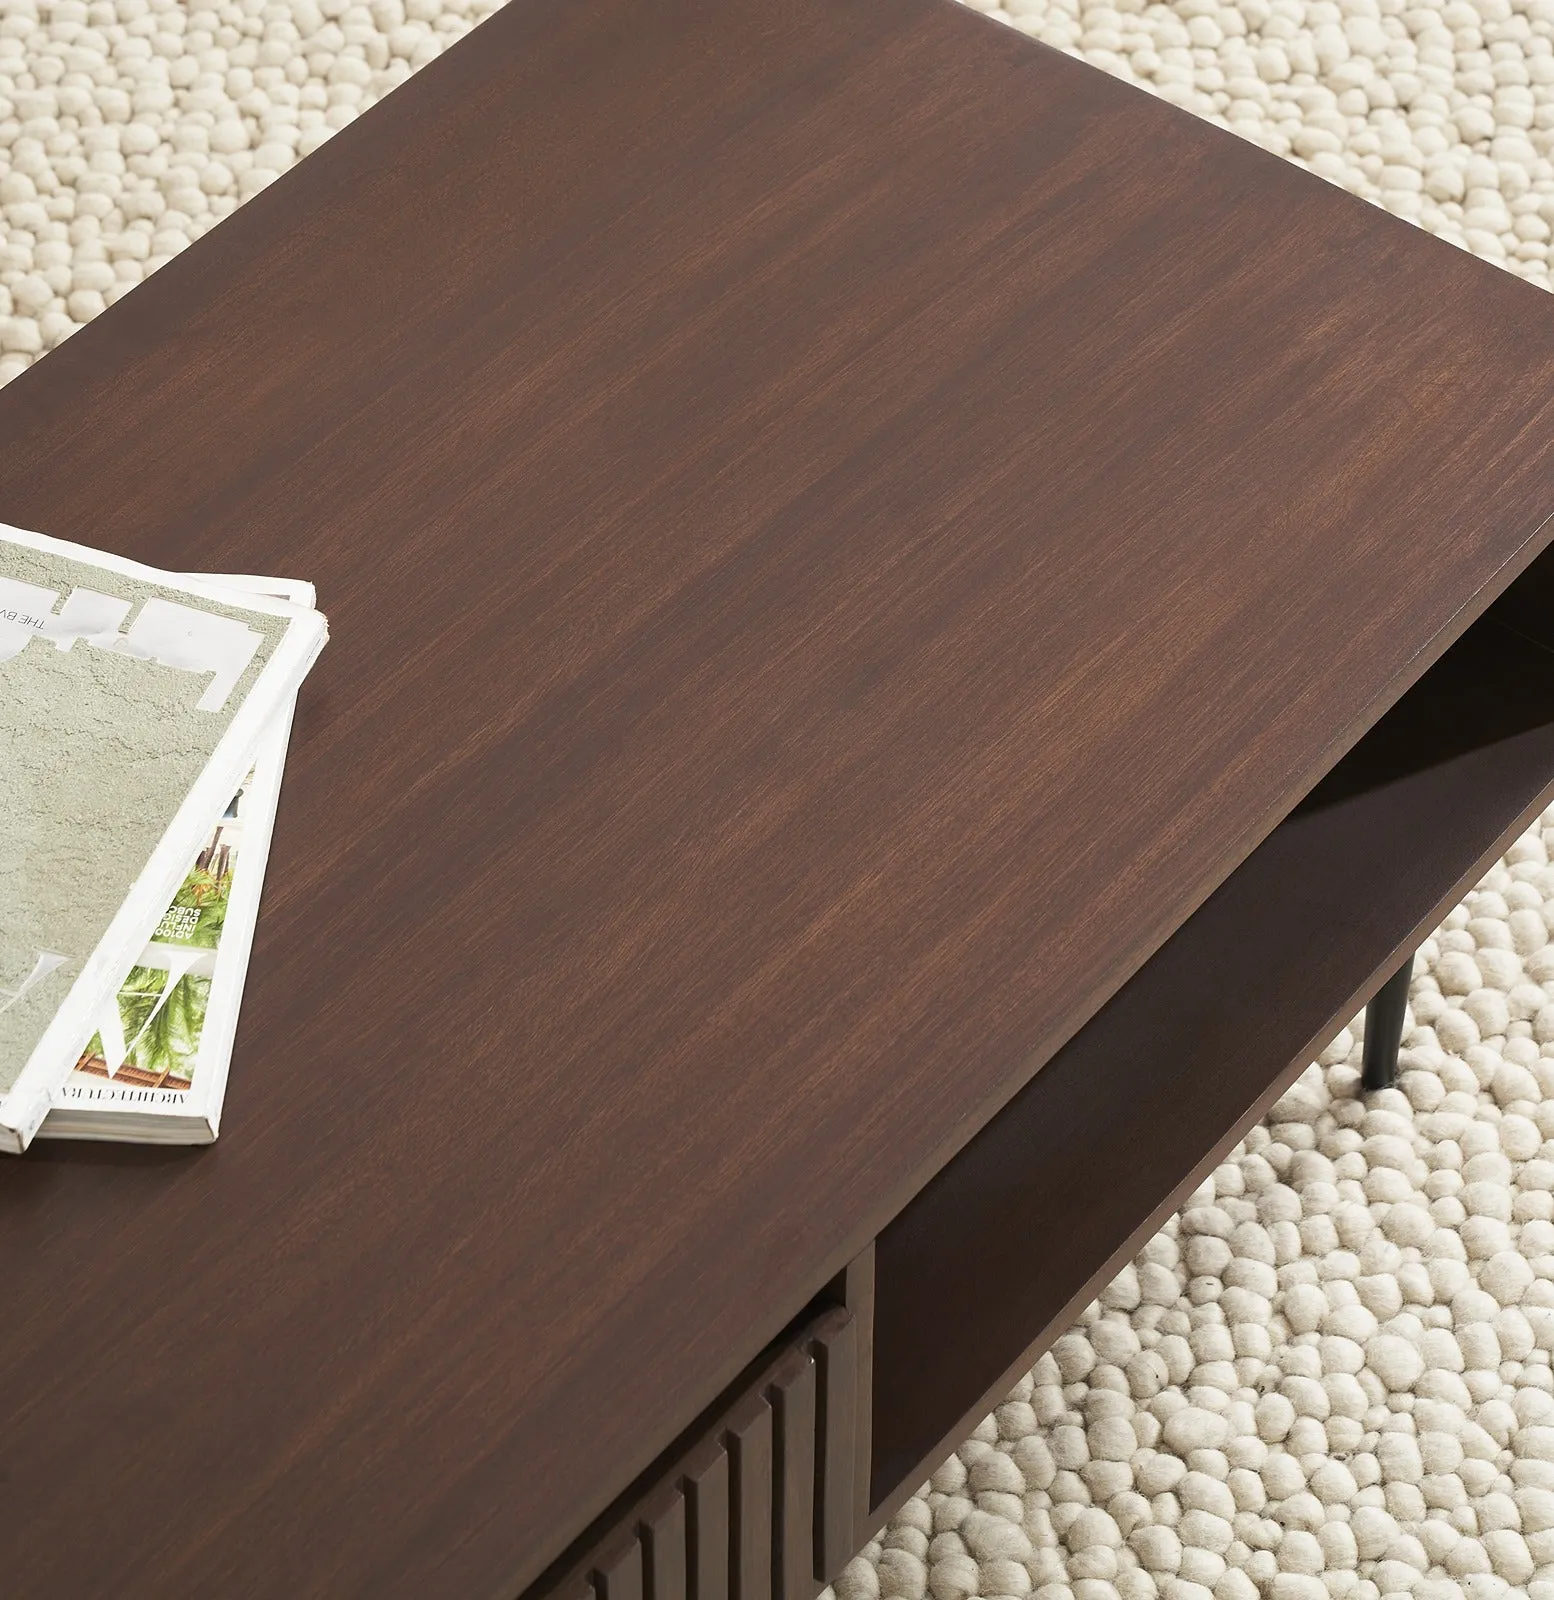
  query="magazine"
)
[
  {"x": 155, "y": 1072},
  {"x": 132, "y": 702}
]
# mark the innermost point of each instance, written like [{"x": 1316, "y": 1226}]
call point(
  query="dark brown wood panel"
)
[
  {"x": 793, "y": 1400},
  {"x": 843, "y": 1443},
  {"x": 841, "y": 527},
  {"x": 857, "y": 1294},
  {"x": 619, "y": 1574},
  {"x": 707, "y": 1523},
  {"x": 664, "y": 1546},
  {"x": 1527, "y": 607},
  {"x": 1042, "y": 1208},
  {"x": 748, "y": 1440}
]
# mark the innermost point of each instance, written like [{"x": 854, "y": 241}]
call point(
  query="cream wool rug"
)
[{"x": 1331, "y": 1374}]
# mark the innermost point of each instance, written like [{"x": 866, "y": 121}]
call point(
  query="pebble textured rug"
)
[{"x": 1330, "y": 1375}]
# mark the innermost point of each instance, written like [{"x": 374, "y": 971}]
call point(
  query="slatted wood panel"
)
[
  {"x": 792, "y": 1398},
  {"x": 749, "y": 1441},
  {"x": 619, "y": 1574},
  {"x": 705, "y": 1481},
  {"x": 762, "y": 1506},
  {"x": 842, "y": 1456},
  {"x": 664, "y": 1551}
]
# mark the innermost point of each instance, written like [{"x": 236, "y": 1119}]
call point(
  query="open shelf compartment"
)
[{"x": 1007, "y": 1245}]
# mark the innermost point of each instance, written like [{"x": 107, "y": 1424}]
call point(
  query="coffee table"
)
[{"x": 914, "y": 630}]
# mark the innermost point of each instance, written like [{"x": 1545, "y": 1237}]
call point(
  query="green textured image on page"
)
[
  {"x": 160, "y": 1008},
  {"x": 114, "y": 694}
]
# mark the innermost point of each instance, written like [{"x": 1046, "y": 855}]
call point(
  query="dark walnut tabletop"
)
[{"x": 841, "y": 526}]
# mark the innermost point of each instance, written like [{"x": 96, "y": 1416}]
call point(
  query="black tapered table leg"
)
[{"x": 1384, "y": 1030}]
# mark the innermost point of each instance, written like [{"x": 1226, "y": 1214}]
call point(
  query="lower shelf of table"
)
[{"x": 1008, "y": 1244}]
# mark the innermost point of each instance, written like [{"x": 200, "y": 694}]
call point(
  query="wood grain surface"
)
[{"x": 841, "y": 526}]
